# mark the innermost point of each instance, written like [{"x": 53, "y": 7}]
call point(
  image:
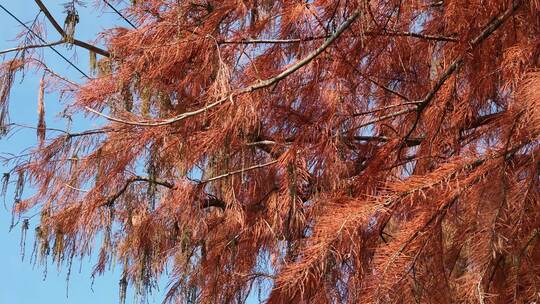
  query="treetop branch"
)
[{"x": 60, "y": 30}]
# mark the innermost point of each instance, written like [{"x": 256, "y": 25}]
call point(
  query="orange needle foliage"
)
[{"x": 378, "y": 151}]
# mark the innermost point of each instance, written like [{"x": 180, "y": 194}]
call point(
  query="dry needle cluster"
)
[{"x": 360, "y": 151}]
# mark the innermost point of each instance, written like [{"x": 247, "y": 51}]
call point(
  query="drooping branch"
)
[
  {"x": 211, "y": 202},
  {"x": 109, "y": 201}
]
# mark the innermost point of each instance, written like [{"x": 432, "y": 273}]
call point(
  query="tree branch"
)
[
  {"x": 411, "y": 103},
  {"x": 423, "y": 103},
  {"x": 112, "y": 198},
  {"x": 410, "y": 142},
  {"x": 292, "y": 69},
  {"x": 49, "y": 16},
  {"x": 91, "y": 47},
  {"x": 238, "y": 171},
  {"x": 486, "y": 32},
  {"x": 32, "y": 46},
  {"x": 66, "y": 133},
  {"x": 254, "y": 87},
  {"x": 51, "y": 72},
  {"x": 493, "y": 25},
  {"x": 367, "y": 33},
  {"x": 60, "y": 30},
  {"x": 210, "y": 201}
]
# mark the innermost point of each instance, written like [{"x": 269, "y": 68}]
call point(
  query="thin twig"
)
[
  {"x": 31, "y": 46},
  {"x": 411, "y": 103},
  {"x": 238, "y": 171}
]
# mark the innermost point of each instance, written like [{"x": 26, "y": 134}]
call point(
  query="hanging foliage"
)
[
  {"x": 93, "y": 62},
  {"x": 296, "y": 151},
  {"x": 71, "y": 21},
  {"x": 7, "y": 75},
  {"x": 41, "y": 126}
]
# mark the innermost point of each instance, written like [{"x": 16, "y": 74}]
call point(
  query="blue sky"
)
[{"x": 20, "y": 282}]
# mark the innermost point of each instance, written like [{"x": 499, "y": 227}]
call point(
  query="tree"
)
[{"x": 338, "y": 151}]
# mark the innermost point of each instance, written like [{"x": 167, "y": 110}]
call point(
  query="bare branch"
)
[
  {"x": 91, "y": 47},
  {"x": 32, "y": 46},
  {"x": 67, "y": 134},
  {"x": 49, "y": 16},
  {"x": 46, "y": 68},
  {"x": 60, "y": 30}
]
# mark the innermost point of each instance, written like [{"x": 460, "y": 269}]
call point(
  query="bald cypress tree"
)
[{"x": 377, "y": 151}]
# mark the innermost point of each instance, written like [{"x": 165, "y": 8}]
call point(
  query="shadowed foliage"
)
[{"x": 325, "y": 151}]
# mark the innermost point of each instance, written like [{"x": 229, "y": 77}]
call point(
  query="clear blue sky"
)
[{"x": 20, "y": 283}]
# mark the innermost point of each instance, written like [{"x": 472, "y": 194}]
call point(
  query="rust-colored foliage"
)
[{"x": 380, "y": 151}]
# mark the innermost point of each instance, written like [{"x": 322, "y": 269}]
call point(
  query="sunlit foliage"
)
[{"x": 376, "y": 151}]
